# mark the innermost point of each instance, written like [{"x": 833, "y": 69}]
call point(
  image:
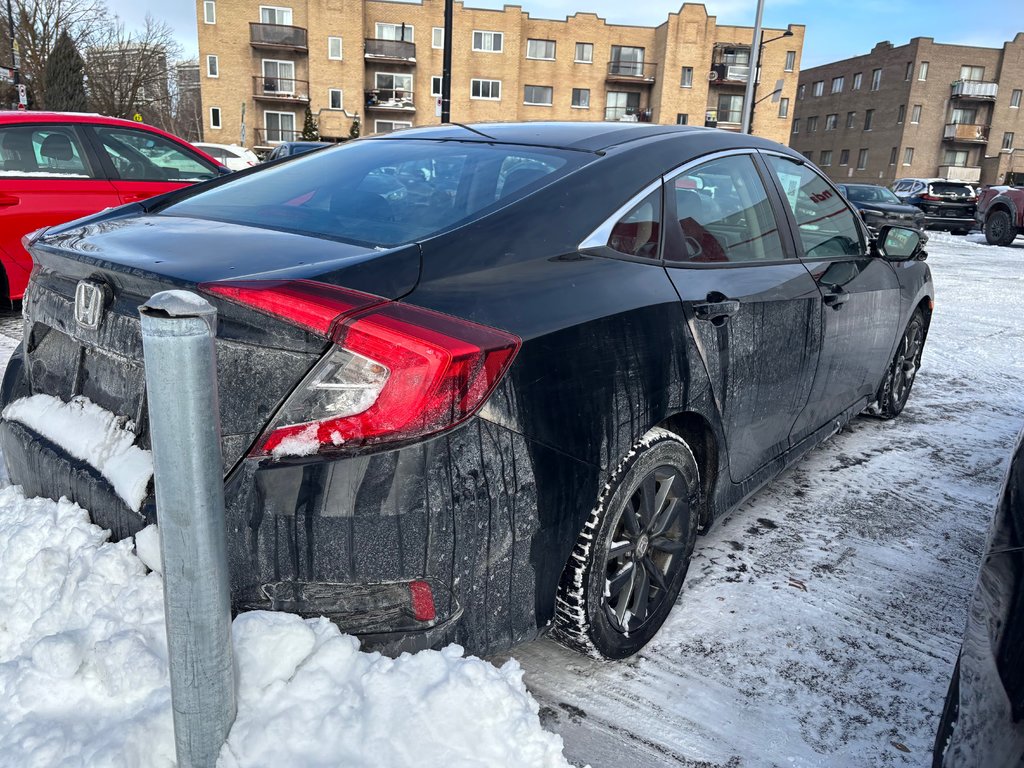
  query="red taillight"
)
[
  {"x": 422, "y": 598},
  {"x": 933, "y": 198}
]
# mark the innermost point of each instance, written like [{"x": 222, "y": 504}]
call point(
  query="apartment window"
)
[
  {"x": 1015, "y": 98},
  {"x": 790, "y": 61},
  {"x": 967, "y": 72},
  {"x": 892, "y": 155},
  {"x": 279, "y": 126},
  {"x": 394, "y": 32},
  {"x": 730, "y": 108},
  {"x": 819, "y": 88},
  {"x": 826, "y": 158},
  {"x": 955, "y": 157},
  {"x": 539, "y": 95},
  {"x": 209, "y": 13},
  {"x": 627, "y": 60},
  {"x": 686, "y": 78},
  {"x": 1008, "y": 140},
  {"x": 540, "y": 49},
  {"x": 922, "y": 71},
  {"x": 783, "y": 107},
  {"x": 876, "y": 79},
  {"x": 837, "y": 84},
  {"x": 851, "y": 118},
  {"x": 915, "y": 114},
  {"x": 393, "y": 85},
  {"x": 910, "y": 70},
  {"x": 437, "y": 37},
  {"x": 581, "y": 98},
  {"x": 858, "y": 80},
  {"x": 387, "y": 126},
  {"x": 796, "y": 125},
  {"x": 809, "y": 154},
  {"x": 908, "y": 156},
  {"x": 830, "y": 122},
  {"x": 278, "y": 76},
  {"x": 844, "y": 157},
  {"x": 800, "y": 92},
  {"x": 812, "y": 124},
  {"x": 212, "y": 69},
  {"x": 485, "y": 89},
  {"x": 620, "y": 104},
  {"x": 682, "y": 119},
  {"x": 869, "y": 116},
  {"x": 862, "y": 160},
  {"x": 334, "y": 48},
  {"x": 901, "y": 113},
  {"x": 489, "y": 42},
  {"x": 272, "y": 14},
  {"x": 963, "y": 116},
  {"x": 215, "y": 117},
  {"x": 435, "y": 85},
  {"x": 584, "y": 53},
  {"x": 334, "y": 98}
]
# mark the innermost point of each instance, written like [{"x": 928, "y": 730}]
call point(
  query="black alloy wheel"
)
[
  {"x": 899, "y": 379},
  {"x": 630, "y": 561},
  {"x": 999, "y": 229}
]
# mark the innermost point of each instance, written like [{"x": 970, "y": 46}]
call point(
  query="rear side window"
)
[
  {"x": 825, "y": 224},
  {"x": 639, "y": 231},
  {"x": 43, "y": 151},
  {"x": 144, "y": 156}
]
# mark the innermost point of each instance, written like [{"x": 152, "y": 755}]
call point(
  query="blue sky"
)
[{"x": 836, "y": 29}]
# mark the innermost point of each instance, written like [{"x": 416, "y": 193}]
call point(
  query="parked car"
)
[
  {"x": 231, "y": 155},
  {"x": 947, "y": 205},
  {"x": 292, "y": 148},
  {"x": 982, "y": 722},
  {"x": 1000, "y": 214},
  {"x": 471, "y": 417},
  {"x": 878, "y": 206},
  {"x": 57, "y": 166}
]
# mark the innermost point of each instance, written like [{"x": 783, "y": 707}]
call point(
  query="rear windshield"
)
[
  {"x": 951, "y": 190},
  {"x": 870, "y": 195},
  {"x": 382, "y": 192}
]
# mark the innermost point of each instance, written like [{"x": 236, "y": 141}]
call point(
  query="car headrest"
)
[{"x": 57, "y": 146}]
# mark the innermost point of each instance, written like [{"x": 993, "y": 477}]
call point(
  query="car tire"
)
[
  {"x": 899, "y": 377},
  {"x": 629, "y": 562},
  {"x": 999, "y": 229}
]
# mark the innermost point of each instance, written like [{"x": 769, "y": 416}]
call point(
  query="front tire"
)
[
  {"x": 629, "y": 562},
  {"x": 999, "y": 229},
  {"x": 899, "y": 378}
]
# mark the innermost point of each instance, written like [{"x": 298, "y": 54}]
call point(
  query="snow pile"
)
[
  {"x": 91, "y": 434},
  {"x": 83, "y": 672}
]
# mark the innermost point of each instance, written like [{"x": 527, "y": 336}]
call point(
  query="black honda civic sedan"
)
[{"x": 478, "y": 382}]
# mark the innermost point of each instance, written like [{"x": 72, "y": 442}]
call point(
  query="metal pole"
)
[
  {"x": 178, "y": 330},
  {"x": 755, "y": 50},
  {"x": 14, "y": 45},
  {"x": 446, "y": 66}
]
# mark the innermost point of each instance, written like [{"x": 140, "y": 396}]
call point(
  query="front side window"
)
[
  {"x": 581, "y": 98},
  {"x": 485, "y": 89},
  {"x": 144, "y": 156},
  {"x": 489, "y": 42},
  {"x": 401, "y": 32},
  {"x": 44, "y": 151},
  {"x": 638, "y": 233},
  {"x": 584, "y": 53},
  {"x": 540, "y": 49},
  {"x": 825, "y": 224},
  {"x": 275, "y": 15},
  {"x": 723, "y": 214},
  {"x": 538, "y": 94}
]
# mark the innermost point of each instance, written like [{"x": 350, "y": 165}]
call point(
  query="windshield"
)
[
  {"x": 382, "y": 192},
  {"x": 869, "y": 194}
]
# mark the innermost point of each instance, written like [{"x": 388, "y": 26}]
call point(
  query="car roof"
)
[{"x": 32, "y": 116}]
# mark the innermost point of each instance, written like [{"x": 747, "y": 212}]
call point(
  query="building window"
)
[
  {"x": 800, "y": 91},
  {"x": 1008, "y": 140},
  {"x": 581, "y": 98},
  {"x": 851, "y": 118},
  {"x": 540, "y": 49},
  {"x": 402, "y": 32},
  {"x": 892, "y": 155},
  {"x": 783, "y": 107},
  {"x": 826, "y": 158},
  {"x": 437, "y": 37},
  {"x": 393, "y": 86},
  {"x": 967, "y": 72},
  {"x": 584, "y": 53},
  {"x": 686, "y": 78},
  {"x": 790, "y": 61},
  {"x": 862, "y": 160},
  {"x": 279, "y": 126},
  {"x": 868, "y": 119},
  {"x": 334, "y": 98},
  {"x": 682, "y": 119},
  {"x": 334, "y": 48},
  {"x": 908, "y": 156},
  {"x": 876, "y": 79},
  {"x": 955, "y": 157},
  {"x": 910, "y": 70},
  {"x": 215, "y": 117},
  {"x": 627, "y": 60},
  {"x": 962, "y": 116},
  {"x": 272, "y": 14},
  {"x": 812, "y": 124},
  {"x": 485, "y": 89},
  {"x": 922, "y": 72},
  {"x": 858, "y": 80},
  {"x": 915, "y": 114},
  {"x": 539, "y": 95},
  {"x": 837, "y": 84},
  {"x": 488, "y": 42},
  {"x": 819, "y": 88},
  {"x": 212, "y": 68},
  {"x": 844, "y": 157},
  {"x": 796, "y": 125},
  {"x": 809, "y": 154},
  {"x": 209, "y": 13},
  {"x": 278, "y": 77},
  {"x": 830, "y": 122},
  {"x": 435, "y": 85},
  {"x": 386, "y": 126},
  {"x": 622, "y": 105},
  {"x": 901, "y": 114},
  {"x": 1015, "y": 98}
]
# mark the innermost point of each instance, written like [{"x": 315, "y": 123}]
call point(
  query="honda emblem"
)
[{"x": 89, "y": 299}]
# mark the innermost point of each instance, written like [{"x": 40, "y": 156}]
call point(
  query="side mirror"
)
[
  {"x": 223, "y": 170},
  {"x": 900, "y": 243}
]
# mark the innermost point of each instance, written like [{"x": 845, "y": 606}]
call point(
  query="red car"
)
[{"x": 58, "y": 166}]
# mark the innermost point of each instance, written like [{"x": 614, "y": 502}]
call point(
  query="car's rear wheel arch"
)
[{"x": 698, "y": 433}]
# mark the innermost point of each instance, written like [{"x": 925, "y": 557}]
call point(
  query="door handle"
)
[
  {"x": 716, "y": 312},
  {"x": 837, "y": 299},
  {"x": 9, "y": 200}
]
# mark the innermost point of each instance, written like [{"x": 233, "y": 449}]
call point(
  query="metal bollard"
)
[{"x": 178, "y": 330}]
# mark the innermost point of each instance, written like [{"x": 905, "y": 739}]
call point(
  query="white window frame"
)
[
  {"x": 379, "y": 87},
  {"x": 979, "y": 78},
  {"x": 330, "y": 99},
  {"x": 908, "y": 156},
  {"x": 831, "y": 121},
  {"x": 1015, "y": 97},
  {"x": 838, "y": 83},
  {"x": 790, "y": 61},
  {"x": 215, "y": 124},
  {"x": 214, "y": 71},
  {"x": 858, "y": 81},
  {"x": 554, "y": 47},
  {"x": 439, "y": 79},
  {"x": 922, "y": 71},
  {"x": 548, "y": 103},
  {"x": 395, "y": 124},
  {"x": 862, "y": 159},
  {"x": 267, "y": 113},
  {"x": 573, "y": 94},
  {"x": 1008, "y": 138},
  {"x": 783, "y": 107},
  {"x": 577, "y": 60},
  {"x": 684, "y": 81},
  {"x": 876, "y": 79},
  {"x": 482, "y": 80},
  {"x": 434, "y": 36},
  {"x": 209, "y": 12},
  {"x": 915, "y": 115},
  {"x": 397, "y": 27},
  {"x": 341, "y": 50},
  {"x": 818, "y": 88},
  {"x": 493, "y": 35},
  {"x": 275, "y": 8},
  {"x": 263, "y": 70}
]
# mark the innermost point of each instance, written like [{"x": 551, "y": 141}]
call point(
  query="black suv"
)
[
  {"x": 878, "y": 205},
  {"x": 946, "y": 204}
]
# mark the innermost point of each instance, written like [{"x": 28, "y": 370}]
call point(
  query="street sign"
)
[
  {"x": 437, "y": 107},
  {"x": 22, "y": 95},
  {"x": 137, "y": 117}
]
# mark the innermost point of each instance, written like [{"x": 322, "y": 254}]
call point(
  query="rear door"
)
[
  {"x": 860, "y": 293},
  {"x": 750, "y": 304}
]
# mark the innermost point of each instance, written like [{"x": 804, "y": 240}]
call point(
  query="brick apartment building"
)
[
  {"x": 923, "y": 109},
  {"x": 381, "y": 61}
]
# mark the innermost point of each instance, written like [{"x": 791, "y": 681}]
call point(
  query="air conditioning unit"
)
[{"x": 712, "y": 76}]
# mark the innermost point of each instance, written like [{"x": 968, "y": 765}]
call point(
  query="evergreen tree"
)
[
  {"x": 353, "y": 132},
  {"x": 310, "y": 132},
  {"x": 65, "y": 77}
]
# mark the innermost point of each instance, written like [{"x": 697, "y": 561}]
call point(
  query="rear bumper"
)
[{"x": 949, "y": 222}]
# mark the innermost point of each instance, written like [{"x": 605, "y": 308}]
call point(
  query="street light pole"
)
[
  {"x": 755, "y": 48},
  {"x": 755, "y": 73},
  {"x": 446, "y": 65},
  {"x": 14, "y": 45}
]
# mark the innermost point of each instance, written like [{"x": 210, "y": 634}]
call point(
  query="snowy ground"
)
[{"x": 818, "y": 625}]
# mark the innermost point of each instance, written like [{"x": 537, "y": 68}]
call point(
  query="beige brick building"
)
[
  {"x": 924, "y": 109},
  {"x": 381, "y": 61}
]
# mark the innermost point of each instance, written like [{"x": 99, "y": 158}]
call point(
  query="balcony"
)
[
  {"x": 966, "y": 132},
  {"x": 980, "y": 90},
  {"x": 392, "y": 51},
  {"x": 630, "y": 72},
  {"x": 627, "y": 115},
  {"x": 388, "y": 100},
  {"x": 280, "y": 89},
  {"x": 969, "y": 173},
  {"x": 267, "y": 136},
  {"x": 277, "y": 37},
  {"x": 729, "y": 74}
]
